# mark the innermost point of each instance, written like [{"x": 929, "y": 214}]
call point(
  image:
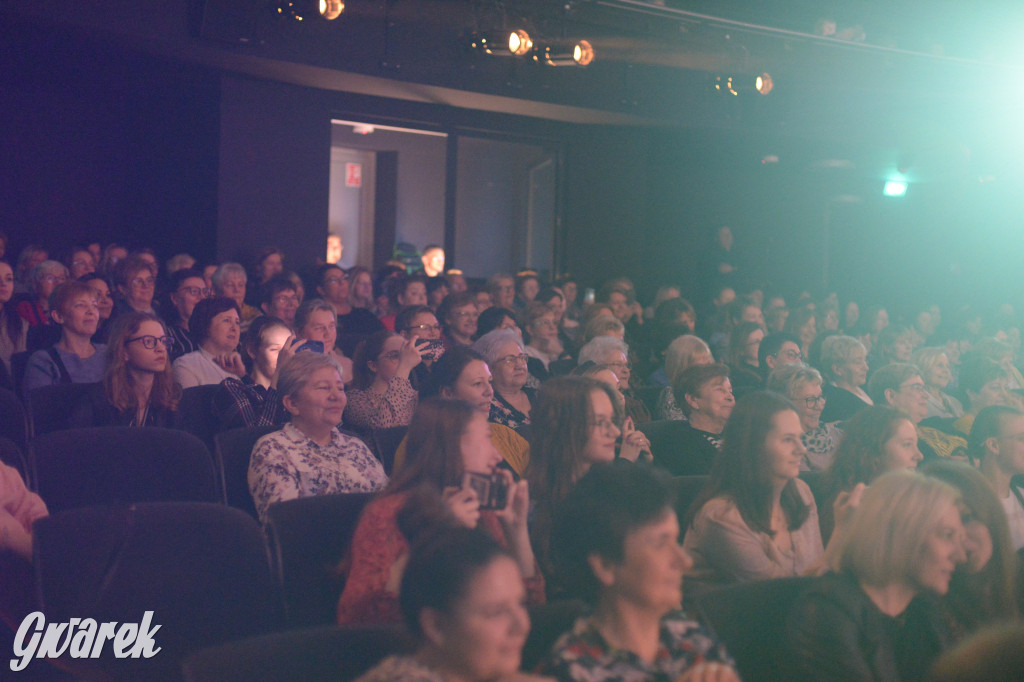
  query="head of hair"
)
[
  {"x": 221, "y": 274},
  {"x": 888, "y": 337},
  {"x": 738, "y": 342},
  {"x": 734, "y": 311},
  {"x": 797, "y": 319},
  {"x": 204, "y": 312},
  {"x": 694, "y": 379},
  {"x": 788, "y": 379},
  {"x": 24, "y": 258},
  {"x": 669, "y": 311},
  {"x": 838, "y": 350},
  {"x": 992, "y": 591},
  {"x": 180, "y": 261},
  {"x": 490, "y": 344},
  {"x": 495, "y": 280},
  {"x": 440, "y": 570},
  {"x": 310, "y": 306},
  {"x": 860, "y": 455},
  {"x": 602, "y": 325},
  {"x": 403, "y": 282},
  {"x": 891, "y": 376},
  {"x": 368, "y": 351},
  {"x": 125, "y": 270},
  {"x": 597, "y": 349},
  {"x": 977, "y": 370},
  {"x": 925, "y": 359},
  {"x": 47, "y": 267},
  {"x": 321, "y": 273},
  {"x": 608, "y": 503},
  {"x": 988, "y": 424},
  {"x": 491, "y": 318},
  {"x": 253, "y": 338},
  {"x": 533, "y": 311},
  {"x": 65, "y": 293},
  {"x": 117, "y": 380},
  {"x": 451, "y": 303},
  {"x": 293, "y": 375},
  {"x": 742, "y": 471},
  {"x": 772, "y": 344},
  {"x": 403, "y": 321},
  {"x": 434, "y": 445},
  {"x": 282, "y": 281},
  {"x": 548, "y": 294},
  {"x": 434, "y": 283},
  {"x": 265, "y": 253},
  {"x": 680, "y": 354},
  {"x": 447, "y": 370},
  {"x": 887, "y": 533}
]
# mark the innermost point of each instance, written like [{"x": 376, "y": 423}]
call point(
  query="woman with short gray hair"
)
[
  {"x": 802, "y": 385},
  {"x": 507, "y": 359},
  {"x": 309, "y": 456},
  {"x": 229, "y": 280},
  {"x": 935, "y": 370},
  {"x": 844, "y": 363},
  {"x": 42, "y": 280}
]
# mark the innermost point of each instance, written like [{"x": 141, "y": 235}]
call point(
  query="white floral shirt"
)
[{"x": 287, "y": 464}]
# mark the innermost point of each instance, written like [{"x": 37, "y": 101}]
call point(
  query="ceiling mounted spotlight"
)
[
  {"x": 308, "y": 9},
  {"x": 763, "y": 83},
  {"x": 566, "y": 53},
  {"x": 726, "y": 85},
  {"x": 734, "y": 85},
  {"x": 503, "y": 44}
]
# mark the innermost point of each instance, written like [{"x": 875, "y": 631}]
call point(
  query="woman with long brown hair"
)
[{"x": 138, "y": 388}]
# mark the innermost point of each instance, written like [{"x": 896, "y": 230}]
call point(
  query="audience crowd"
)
[{"x": 543, "y": 442}]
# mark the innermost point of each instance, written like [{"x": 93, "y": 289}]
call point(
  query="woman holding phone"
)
[{"x": 447, "y": 438}]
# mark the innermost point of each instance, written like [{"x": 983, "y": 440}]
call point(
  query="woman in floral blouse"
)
[
  {"x": 381, "y": 395},
  {"x": 309, "y": 456}
]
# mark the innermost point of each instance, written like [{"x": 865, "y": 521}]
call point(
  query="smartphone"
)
[
  {"x": 432, "y": 348},
  {"x": 491, "y": 489},
  {"x": 311, "y": 346}
]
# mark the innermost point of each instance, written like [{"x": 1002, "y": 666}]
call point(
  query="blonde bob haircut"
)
[
  {"x": 888, "y": 531},
  {"x": 789, "y": 379}
]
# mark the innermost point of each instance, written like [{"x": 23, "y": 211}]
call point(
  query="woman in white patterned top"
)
[{"x": 309, "y": 456}]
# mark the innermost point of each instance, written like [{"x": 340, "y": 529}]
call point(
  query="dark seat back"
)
[
  {"x": 19, "y": 362},
  {"x": 688, "y": 488},
  {"x": 50, "y": 407},
  {"x": 196, "y": 413},
  {"x": 13, "y": 419},
  {"x": 200, "y": 568},
  {"x": 324, "y": 654},
  {"x": 232, "y": 450},
  {"x": 12, "y": 456},
  {"x": 385, "y": 444},
  {"x": 308, "y": 538},
  {"x": 121, "y": 465},
  {"x": 749, "y": 619}
]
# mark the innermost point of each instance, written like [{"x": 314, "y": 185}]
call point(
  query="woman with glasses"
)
[
  {"x": 802, "y": 385},
  {"x": 315, "y": 320},
  {"x": 104, "y": 301},
  {"x": 136, "y": 286},
  {"x": 43, "y": 279},
  {"x": 335, "y": 287},
  {"x": 542, "y": 333},
  {"x": 512, "y": 403},
  {"x": 419, "y": 324},
  {"x": 613, "y": 353},
  {"x": 218, "y": 329},
  {"x": 187, "y": 288},
  {"x": 138, "y": 388},
  {"x": 459, "y": 315},
  {"x": 381, "y": 395}
]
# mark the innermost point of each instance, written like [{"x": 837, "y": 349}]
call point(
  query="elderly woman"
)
[
  {"x": 80, "y": 263},
  {"x": 863, "y": 622},
  {"x": 541, "y": 330},
  {"x": 43, "y": 279},
  {"x": 217, "y": 329},
  {"x": 458, "y": 315},
  {"x": 844, "y": 363},
  {"x": 895, "y": 344},
  {"x": 135, "y": 281},
  {"x": 802, "y": 385},
  {"x": 315, "y": 320},
  {"x": 381, "y": 395},
  {"x": 614, "y": 354},
  {"x": 74, "y": 359},
  {"x": 229, "y": 280},
  {"x": 13, "y": 327},
  {"x": 683, "y": 353},
  {"x": 616, "y": 540},
  {"x": 506, "y": 357},
  {"x": 934, "y": 365},
  {"x": 138, "y": 388},
  {"x": 309, "y": 456}
]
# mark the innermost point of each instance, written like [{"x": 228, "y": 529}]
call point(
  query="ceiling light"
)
[
  {"x": 763, "y": 84},
  {"x": 566, "y": 53},
  {"x": 307, "y": 9},
  {"x": 503, "y": 43}
]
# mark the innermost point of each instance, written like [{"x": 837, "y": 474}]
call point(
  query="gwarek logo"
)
[{"x": 82, "y": 638}]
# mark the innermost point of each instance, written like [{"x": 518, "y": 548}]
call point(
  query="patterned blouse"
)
[
  {"x": 287, "y": 464},
  {"x": 667, "y": 408},
  {"x": 821, "y": 444},
  {"x": 503, "y": 412},
  {"x": 403, "y": 668},
  {"x": 583, "y": 655},
  {"x": 368, "y": 409}
]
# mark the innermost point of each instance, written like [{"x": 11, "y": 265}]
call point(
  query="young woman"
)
[
  {"x": 217, "y": 327},
  {"x": 744, "y": 366},
  {"x": 138, "y": 388},
  {"x": 446, "y": 439},
  {"x": 13, "y": 328},
  {"x": 756, "y": 519},
  {"x": 380, "y": 395},
  {"x": 462, "y": 597},
  {"x": 876, "y": 440},
  {"x": 864, "y": 621}
]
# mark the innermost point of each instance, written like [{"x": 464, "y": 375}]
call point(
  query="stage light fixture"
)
[
  {"x": 894, "y": 188},
  {"x": 300, "y": 10},
  {"x": 566, "y": 53},
  {"x": 763, "y": 83},
  {"x": 503, "y": 44},
  {"x": 726, "y": 84}
]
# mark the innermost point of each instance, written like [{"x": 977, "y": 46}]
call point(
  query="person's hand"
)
[
  {"x": 846, "y": 503},
  {"x": 287, "y": 352},
  {"x": 634, "y": 443},
  {"x": 410, "y": 355},
  {"x": 709, "y": 672},
  {"x": 13, "y": 536},
  {"x": 463, "y": 504},
  {"x": 231, "y": 363},
  {"x": 517, "y": 506}
]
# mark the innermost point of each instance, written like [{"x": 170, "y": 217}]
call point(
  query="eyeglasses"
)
[
  {"x": 605, "y": 425},
  {"x": 144, "y": 282},
  {"x": 282, "y": 299},
  {"x": 520, "y": 359},
  {"x": 149, "y": 342},
  {"x": 466, "y": 313},
  {"x": 336, "y": 280},
  {"x": 391, "y": 355},
  {"x": 196, "y": 291},
  {"x": 59, "y": 279},
  {"x": 620, "y": 365},
  {"x": 814, "y": 401},
  {"x": 425, "y": 328},
  {"x": 790, "y": 354},
  {"x": 917, "y": 388}
]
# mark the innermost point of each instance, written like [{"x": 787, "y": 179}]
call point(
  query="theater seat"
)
[
  {"x": 201, "y": 569},
  {"x": 13, "y": 419},
  {"x": 232, "y": 451},
  {"x": 50, "y": 407},
  {"x": 385, "y": 444}
]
